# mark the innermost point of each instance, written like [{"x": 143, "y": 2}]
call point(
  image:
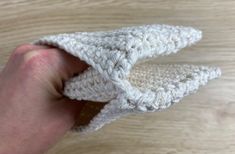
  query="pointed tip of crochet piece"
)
[
  {"x": 196, "y": 35},
  {"x": 215, "y": 72},
  {"x": 190, "y": 36}
]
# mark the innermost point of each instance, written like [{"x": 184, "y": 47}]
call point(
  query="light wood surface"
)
[{"x": 203, "y": 123}]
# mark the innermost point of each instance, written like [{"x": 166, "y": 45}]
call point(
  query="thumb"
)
[{"x": 72, "y": 66}]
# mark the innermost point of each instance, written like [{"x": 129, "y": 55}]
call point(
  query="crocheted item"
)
[{"x": 113, "y": 78}]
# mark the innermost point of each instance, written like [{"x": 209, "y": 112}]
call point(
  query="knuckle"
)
[
  {"x": 20, "y": 50},
  {"x": 23, "y": 48},
  {"x": 28, "y": 56},
  {"x": 32, "y": 56},
  {"x": 34, "y": 60}
]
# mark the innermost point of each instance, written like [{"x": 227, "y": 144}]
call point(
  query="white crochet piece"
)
[{"x": 112, "y": 76}]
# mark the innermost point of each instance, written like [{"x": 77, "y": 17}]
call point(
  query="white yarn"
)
[{"x": 113, "y": 77}]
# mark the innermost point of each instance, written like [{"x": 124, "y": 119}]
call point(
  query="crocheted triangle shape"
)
[{"x": 113, "y": 77}]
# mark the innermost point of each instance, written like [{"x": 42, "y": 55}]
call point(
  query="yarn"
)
[{"x": 119, "y": 75}]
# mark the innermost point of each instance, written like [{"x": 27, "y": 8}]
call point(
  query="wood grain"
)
[{"x": 203, "y": 123}]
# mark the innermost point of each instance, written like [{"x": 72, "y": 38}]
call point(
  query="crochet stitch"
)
[{"x": 118, "y": 75}]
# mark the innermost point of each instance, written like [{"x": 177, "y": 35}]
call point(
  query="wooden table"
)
[{"x": 203, "y": 123}]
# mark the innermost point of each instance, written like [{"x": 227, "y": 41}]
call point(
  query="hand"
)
[{"x": 33, "y": 112}]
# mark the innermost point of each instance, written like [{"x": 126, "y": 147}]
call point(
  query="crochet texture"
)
[{"x": 116, "y": 75}]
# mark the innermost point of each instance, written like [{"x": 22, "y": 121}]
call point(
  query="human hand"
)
[{"x": 33, "y": 112}]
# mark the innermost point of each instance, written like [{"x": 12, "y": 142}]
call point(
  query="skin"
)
[{"x": 34, "y": 114}]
